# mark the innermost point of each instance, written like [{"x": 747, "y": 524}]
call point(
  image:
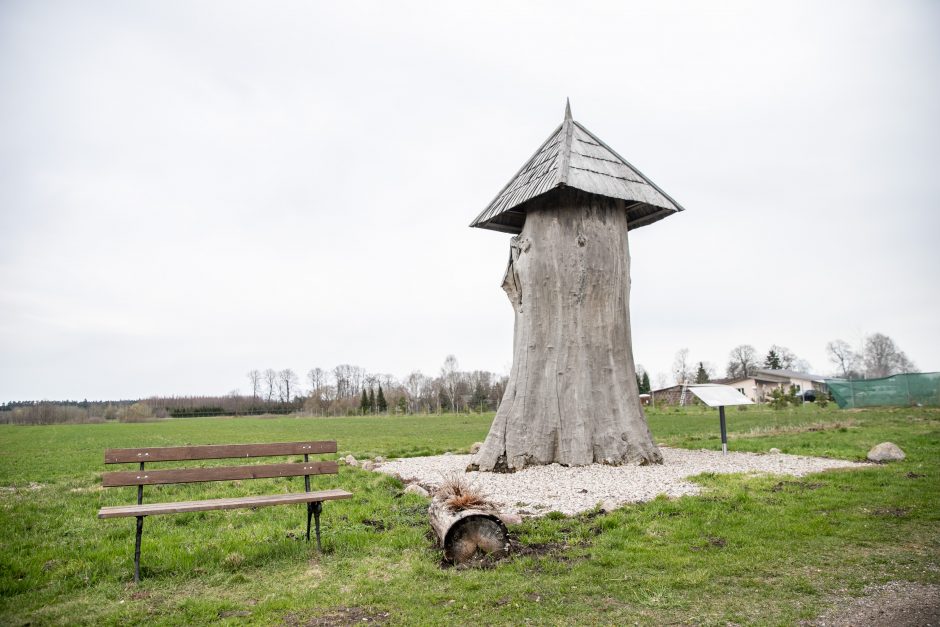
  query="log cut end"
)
[{"x": 467, "y": 534}]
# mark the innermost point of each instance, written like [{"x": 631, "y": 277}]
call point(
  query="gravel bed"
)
[{"x": 541, "y": 489}]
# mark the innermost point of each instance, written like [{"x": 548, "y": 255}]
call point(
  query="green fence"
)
[{"x": 900, "y": 390}]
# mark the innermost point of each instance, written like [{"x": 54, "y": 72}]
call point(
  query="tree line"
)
[
  {"x": 351, "y": 390},
  {"x": 877, "y": 356},
  {"x": 339, "y": 391},
  {"x": 348, "y": 389}
]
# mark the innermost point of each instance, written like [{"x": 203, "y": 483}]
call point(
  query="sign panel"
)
[{"x": 717, "y": 395}]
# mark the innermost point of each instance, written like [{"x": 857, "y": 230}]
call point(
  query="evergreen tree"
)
[
  {"x": 701, "y": 376},
  {"x": 371, "y": 400},
  {"x": 772, "y": 360},
  {"x": 380, "y": 402},
  {"x": 645, "y": 385},
  {"x": 364, "y": 402}
]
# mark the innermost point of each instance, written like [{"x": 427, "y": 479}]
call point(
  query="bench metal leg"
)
[
  {"x": 140, "y": 531},
  {"x": 317, "y": 508},
  {"x": 309, "y": 514},
  {"x": 314, "y": 509}
]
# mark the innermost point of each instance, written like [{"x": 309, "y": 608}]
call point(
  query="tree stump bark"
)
[
  {"x": 572, "y": 396},
  {"x": 467, "y": 533}
]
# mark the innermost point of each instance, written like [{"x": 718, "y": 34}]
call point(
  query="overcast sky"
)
[{"x": 189, "y": 190}]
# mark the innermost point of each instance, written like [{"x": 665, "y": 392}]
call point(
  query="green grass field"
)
[{"x": 749, "y": 550}]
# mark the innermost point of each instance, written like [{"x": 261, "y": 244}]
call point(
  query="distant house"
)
[
  {"x": 674, "y": 395},
  {"x": 759, "y": 385},
  {"x": 756, "y": 387}
]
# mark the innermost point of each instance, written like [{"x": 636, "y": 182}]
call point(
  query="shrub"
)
[{"x": 138, "y": 412}]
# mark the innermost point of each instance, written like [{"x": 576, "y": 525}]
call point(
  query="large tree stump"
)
[
  {"x": 572, "y": 395},
  {"x": 467, "y": 533}
]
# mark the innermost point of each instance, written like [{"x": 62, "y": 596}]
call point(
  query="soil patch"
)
[
  {"x": 556, "y": 550},
  {"x": 899, "y": 604},
  {"x": 796, "y": 485},
  {"x": 340, "y": 617},
  {"x": 891, "y": 512},
  {"x": 378, "y": 525}
]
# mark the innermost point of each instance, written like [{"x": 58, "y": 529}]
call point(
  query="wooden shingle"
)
[{"x": 574, "y": 157}]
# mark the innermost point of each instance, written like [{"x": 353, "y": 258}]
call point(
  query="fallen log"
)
[{"x": 467, "y": 533}]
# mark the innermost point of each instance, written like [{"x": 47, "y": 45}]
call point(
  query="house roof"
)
[
  {"x": 792, "y": 374},
  {"x": 757, "y": 375},
  {"x": 574, "y": 157},
  {"x": 771, "y": 375}
]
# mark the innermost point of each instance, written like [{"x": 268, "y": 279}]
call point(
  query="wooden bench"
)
[{"x": 143, "y": 476}]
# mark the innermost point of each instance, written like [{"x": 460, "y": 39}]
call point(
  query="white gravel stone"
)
[
  {"x": 571, "y": 490},
  {"x": 414, "y": 488}
]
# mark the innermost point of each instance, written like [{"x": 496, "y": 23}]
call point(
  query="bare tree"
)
[
  {"x": 414, "y": 383},
  {"x": 450, "y": 376},
  {"x": 743, "y": 361},
  {"x": 846, "y": 360},
  {"x": 882, "y": 357},
  {"x": 286, "y": 380},
  {"x": 786, "y": 357},
  {"x": 388, "y": 381},
  {"x": 341, "y": 376},
  {"x": 317, "y": 378},
  {"x": 255, "y": 378},
  {"x": 270, "y": 383},
  {"x": 662, "y": 380},
  {"x": 681, "y": 368}
]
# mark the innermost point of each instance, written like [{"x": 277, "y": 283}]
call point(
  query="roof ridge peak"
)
[
  {"x": 590, "y": 166},
  {"x": 564, "y": 161}
]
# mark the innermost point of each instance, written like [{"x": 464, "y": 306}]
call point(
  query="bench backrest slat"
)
[
  {"x": 215, "y": 451},
  {"x": 220, "y": 473}
]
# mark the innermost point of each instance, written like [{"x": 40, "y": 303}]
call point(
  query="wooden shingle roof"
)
[{"x": 574, "y": 157}]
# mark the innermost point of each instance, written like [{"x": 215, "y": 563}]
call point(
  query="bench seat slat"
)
[
  {"x": 216, "y": 451},
  {"x": 220, "y": 473},
  {"x": 153, "y": 509}
]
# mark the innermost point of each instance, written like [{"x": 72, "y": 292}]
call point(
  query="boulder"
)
[
  {"x": 886, "y": 452},
  {"x": 350, "y": 460},
  {"x": 774, "y": 451},
  {"x": 379, "y": 459},
  {"x": 414, "y": 488},
  {"x": 367, "y": 465},
  {"x": 475, "y": 448}
]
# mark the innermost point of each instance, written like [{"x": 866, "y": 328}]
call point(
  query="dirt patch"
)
[
  {"x": 378, "y": 525},
  {"x": 712, "y": 542},
  {"x": 814, "y": 427},
  {"x": 891, "y": 512},
  {"x": 899, "y": 604},
  {"x": 796, "y": 485},
  {"x": 558, "y": 551},
  {"x": 340, "y": 617}
]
